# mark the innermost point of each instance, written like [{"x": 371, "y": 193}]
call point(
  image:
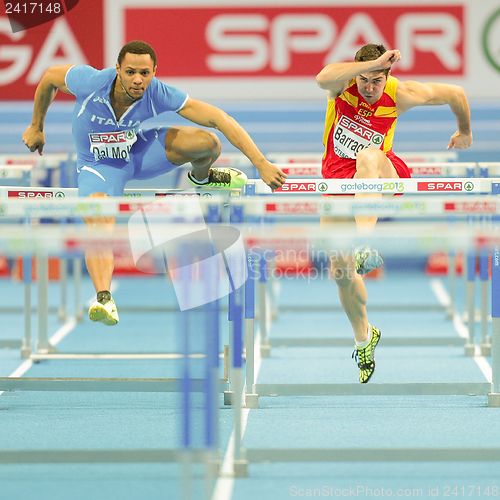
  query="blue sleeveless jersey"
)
[{"x": 98, "y": 136}]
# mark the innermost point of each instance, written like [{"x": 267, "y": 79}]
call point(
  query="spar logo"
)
[
  {"x": 292, "y": 38},
  {"x": 360, "y": 130},
  {"x": 111, "y": 137},
  {"x": 471, "y": 207},
  {"x": 445, "y": 186},
  {"x": 150, "y": 207},
  {"x": 491, "y": 40},
  {"x": 302, "y": 171},
  {"x": 301, "y": 208},
  {"x": 298, "y": 187},
  {"x": 435, "y": 171},
  {"x": 35, "y": 194}
]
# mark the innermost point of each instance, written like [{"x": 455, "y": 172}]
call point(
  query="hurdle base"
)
[
  {"x": 228, "y": 398},
  {"x": 213, "y": 467},
  {"x": 486, "y": 349},
  {"x": 470, "y": 350},
  {"x": 25, "y": 352},
  {"x": 252, "y": 401},
  {"x": 240, "y": 467},
  {"x": 265, "y": 350},
  {"x": 494, "y": 399},
  {"x": 46, "y": 349}
]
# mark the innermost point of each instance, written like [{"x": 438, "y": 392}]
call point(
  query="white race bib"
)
[
  {"x": 349, "y": 138},
  {"x": 115, "y": 145}
]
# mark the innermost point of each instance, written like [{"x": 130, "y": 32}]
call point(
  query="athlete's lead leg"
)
[{"x": 201, "y": 148}]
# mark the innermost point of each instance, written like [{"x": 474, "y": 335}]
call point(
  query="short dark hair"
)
[
  {"x": 136, "y": 47},
  {"x": 370, "y": 52}
]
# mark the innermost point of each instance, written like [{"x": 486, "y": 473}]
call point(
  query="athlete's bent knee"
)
[
  {"x": 370, "y": 154},
  {"x": 341, "y": 270},
  {"x": 369, "y": 161},
  {"x": 210, "y": 143},
  {"x": 343, "y": 276}
]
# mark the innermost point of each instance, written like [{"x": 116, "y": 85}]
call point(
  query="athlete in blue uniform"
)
[{"x": 115, "y": 143}]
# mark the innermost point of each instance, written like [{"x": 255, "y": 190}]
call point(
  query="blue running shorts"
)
[{"x": 147, "y": 160}]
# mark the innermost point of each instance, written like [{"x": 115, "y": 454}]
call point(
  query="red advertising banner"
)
[
  {"x": 295, "y": 41},
  {"x": 74, "y": 38},
  {"x": 285, "y": 43}
]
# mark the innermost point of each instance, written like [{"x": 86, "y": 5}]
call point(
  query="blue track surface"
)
[{"x": 91, "y": 420}]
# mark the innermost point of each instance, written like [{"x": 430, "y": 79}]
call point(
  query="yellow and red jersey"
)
[{"x": 351, "y": 125}]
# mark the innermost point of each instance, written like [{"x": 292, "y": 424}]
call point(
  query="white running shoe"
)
[{"x": 106, "y": 313}]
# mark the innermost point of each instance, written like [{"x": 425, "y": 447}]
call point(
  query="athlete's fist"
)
[
  {"x": 460, "y": 141},
  {"x": 34, "y": 139},
  {"x": 271, "y": 175},
  {"x": 388, "y": 58}
]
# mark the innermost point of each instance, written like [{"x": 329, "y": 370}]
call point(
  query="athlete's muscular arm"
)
[
  {"x": 411, "y": 94},
  {"x": 334, "y": 77},
  {"x": 207, "y": 115},
  {"x": 52, "y": 81}
]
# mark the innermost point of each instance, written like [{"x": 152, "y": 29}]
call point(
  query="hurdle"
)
[
  {"x": 474, "y": 189},
  {"x": 73, "y": 207},
  {"x": 189, "y": 451},
  {"x": 300, "y": 206},
  {"x": 459, "y": 207},
  {"x": 417, "y": 169},
  {"x": 415, "y": 454},
  {"x": 464, "y": 237},
  {"x": 80, "y": 210},
  {"x": 422, "y": 186},
  {"x": 424, "y": 165},
  {"x": 482, "y": 185},
  {"x": 489, "y": 389},
  {"x": 28, "y": 170},
  {"x": 428, "y": 185},
  {"x": 407, "y": 156},
  {"x": 17, "y": 207}
]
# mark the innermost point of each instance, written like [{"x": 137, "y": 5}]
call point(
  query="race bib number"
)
[
  {"x": 115, "y": 145},
  {"x": 350, "y": 138}
]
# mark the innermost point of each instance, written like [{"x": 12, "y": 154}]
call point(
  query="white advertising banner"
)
[{"x": 273, "y": 49}]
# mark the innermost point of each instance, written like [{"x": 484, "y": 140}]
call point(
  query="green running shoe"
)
[
  {"x": 227, "y": 178},
  {"x": 367, "y": 259},
  {"x": 365, "y": 356},
  {"x": 104, "y": 313}
]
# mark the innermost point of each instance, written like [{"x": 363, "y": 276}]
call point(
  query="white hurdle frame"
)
[{"x": 255, "y": 455}]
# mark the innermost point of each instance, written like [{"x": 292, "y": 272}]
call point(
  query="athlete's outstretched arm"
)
[
  {"x": 207, "y": 115},
  {"x": 52, "y": 80},
  {"x": 333, "y": 77},
  {"x": 412, "y": 93}
]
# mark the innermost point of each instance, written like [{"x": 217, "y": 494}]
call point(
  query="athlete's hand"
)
[
  {"x": 34, "y": 139},
  {"x": 271, "y": 175},
  {"x": 388, "y": 58},
  {"x": 460, "y": 141}
]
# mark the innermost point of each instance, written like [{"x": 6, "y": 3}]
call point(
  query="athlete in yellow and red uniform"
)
[
  {"x": 352, "y": 124},
  {"x": 364, "y": 103}
]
